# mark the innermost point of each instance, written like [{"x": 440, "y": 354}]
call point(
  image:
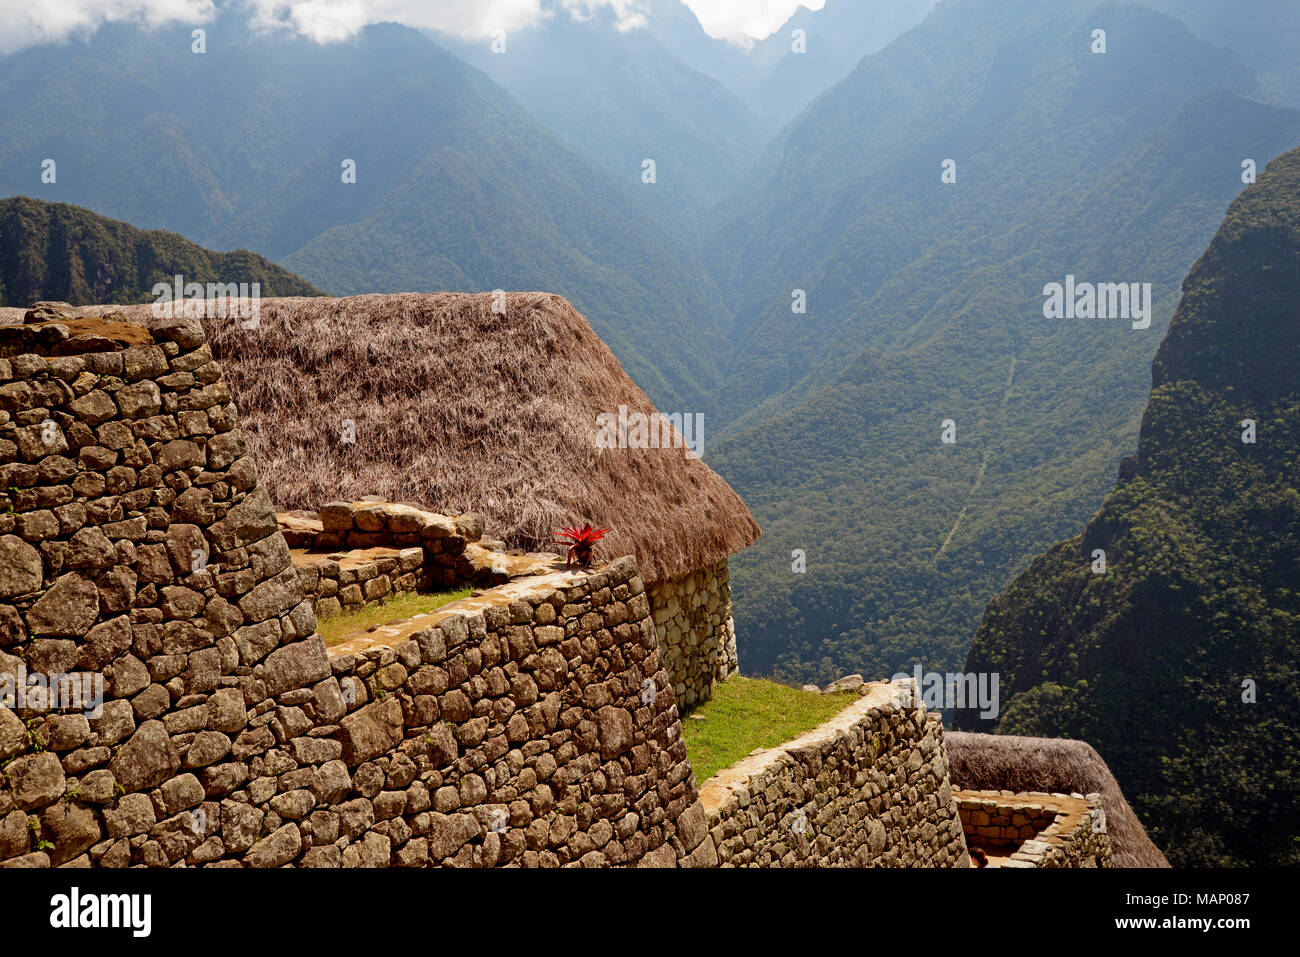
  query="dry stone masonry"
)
[
  {"x": 136, "y": 543},
  {"x": 535, "y": 724},
  {"x": 138, "y": 547},
  {"x": 353, "y": 554},
  {"x": 539, "y": 732},
  {"x": 1036, "y": 829},
  {"x": 696, "y": 632},
  {"x": 451, "y": 544},
  {"x": 869, "y": 788},
  {"x": 348, "y": 583}
]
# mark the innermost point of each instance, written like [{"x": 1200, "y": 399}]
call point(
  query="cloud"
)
[
  {"x": 331, "y": 20},
  {"x": 51, "y": 21},
  {"x": 32, "y": 22},
  {"x": 743, "y": 21},
  {"x": 328, "y": 21}
]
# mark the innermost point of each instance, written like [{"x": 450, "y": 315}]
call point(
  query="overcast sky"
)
[{"x": 27, "y": 22}]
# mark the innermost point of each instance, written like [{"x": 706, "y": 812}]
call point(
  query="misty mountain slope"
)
[
  {"x": 69, "y": 254},
  {"x": 470, "y": 192},
  {"x": 434, "y": 231},
  {"x": 1202, "y": 583},
  {"x": 1266, "y": 34},
  {"x": 146, "y": 130},
  {"x": 243, "y": 146},
  {"x": 920, "y": 308},
  {"x": 776, "y": 82},
  {"x": 678, "y": 30},
  {"x": 622, "y": 98},
  {"x": 856, "y": 184},
  {"x": 837, "y": 37}
]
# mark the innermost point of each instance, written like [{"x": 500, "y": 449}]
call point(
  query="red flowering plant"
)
[{"x": 581, "y": 542}]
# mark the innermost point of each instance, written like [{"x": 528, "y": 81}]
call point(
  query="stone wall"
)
[
  {"x": 1036, "y": 829},
  {"x": 869, "y": 788},
  {"x": 538, "y": 732},
  {"x": 353, "y": 554},
  {"x": 696, "y": 632},
  {"x": 137, "y": 546},
  {"x": 450, "y": 543},
  {"x": 346, "y": 584}
]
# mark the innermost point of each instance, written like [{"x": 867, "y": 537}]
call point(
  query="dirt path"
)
[{"x": 984, "y": 464}]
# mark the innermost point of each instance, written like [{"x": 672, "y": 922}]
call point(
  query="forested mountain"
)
[
  {"x": 678, "y": 30},
  {"x": 925, "y": 304},
  {"x": 621, "y": 98},
  {"x": 836, "y": 38},
  {"x": 700, "y": 107},
  {"x": 1178, "y": 662},
  {"x": 457, "y": 186},
  {"x": 69, "y": 254},
  {"x": 1266, "y": 33}
]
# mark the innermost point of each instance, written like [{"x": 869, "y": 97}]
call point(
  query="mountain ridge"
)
[
  {"x": 55, "y": 251},
  {"x": 1197, "y": 611},
  {"x": 829, "y": 434}
]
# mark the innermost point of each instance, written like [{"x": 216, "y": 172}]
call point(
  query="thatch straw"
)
[
  {"x": 456, "y": 408},
  {"x": 1007, "y": 762}
]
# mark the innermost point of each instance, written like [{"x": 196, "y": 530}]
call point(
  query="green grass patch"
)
[
  {"x": 749, "y": 713},
  {"x": 397, "y": 607}
]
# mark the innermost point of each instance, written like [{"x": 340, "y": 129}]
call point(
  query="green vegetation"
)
[
  {"x": 925, "y": 303},
  {"x": 69, "y": 254},
  {"x": 748, "y": 713},
  {"x": 395, "y": 608},
  {"x": 1179, "y": 663},
  {"x": 1263, "y": 31},
  {"x": 457, "y": 187}
]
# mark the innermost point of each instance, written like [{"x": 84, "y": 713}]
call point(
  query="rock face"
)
[
  {"x": 1195, "y": 557},
  {"x": 20, "y": 567},
  {"x": 847, "y": 683},
  {"x": 136, "y": 544}
]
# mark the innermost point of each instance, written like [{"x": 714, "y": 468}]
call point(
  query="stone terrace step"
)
[{"x": 390, "y": 635}]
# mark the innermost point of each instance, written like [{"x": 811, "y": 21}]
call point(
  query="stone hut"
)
[
  {"x": 490, "y": 404},
  {"x": 1016, "y": 767}
]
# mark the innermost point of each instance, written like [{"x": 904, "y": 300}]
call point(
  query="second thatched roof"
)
[
  {"x": 1008, "y": 762},
  {"x": 455, "y": 407}
]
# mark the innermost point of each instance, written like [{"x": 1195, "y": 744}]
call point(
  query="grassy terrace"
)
[
  {"x": 397, "y": 608},
  {"x": 749, "y": 713}
]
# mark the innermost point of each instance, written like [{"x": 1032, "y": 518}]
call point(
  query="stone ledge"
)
[
  {"x": 51, "y": 329},
  {"x": 867, "y": 788},
  {"x": 722, "y": 789},
  {"x": 535, "y": 589}
]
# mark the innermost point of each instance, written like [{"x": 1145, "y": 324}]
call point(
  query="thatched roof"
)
[
  {"x": 456, "y": 408},
  {"x": 1007, "y": 762}
]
